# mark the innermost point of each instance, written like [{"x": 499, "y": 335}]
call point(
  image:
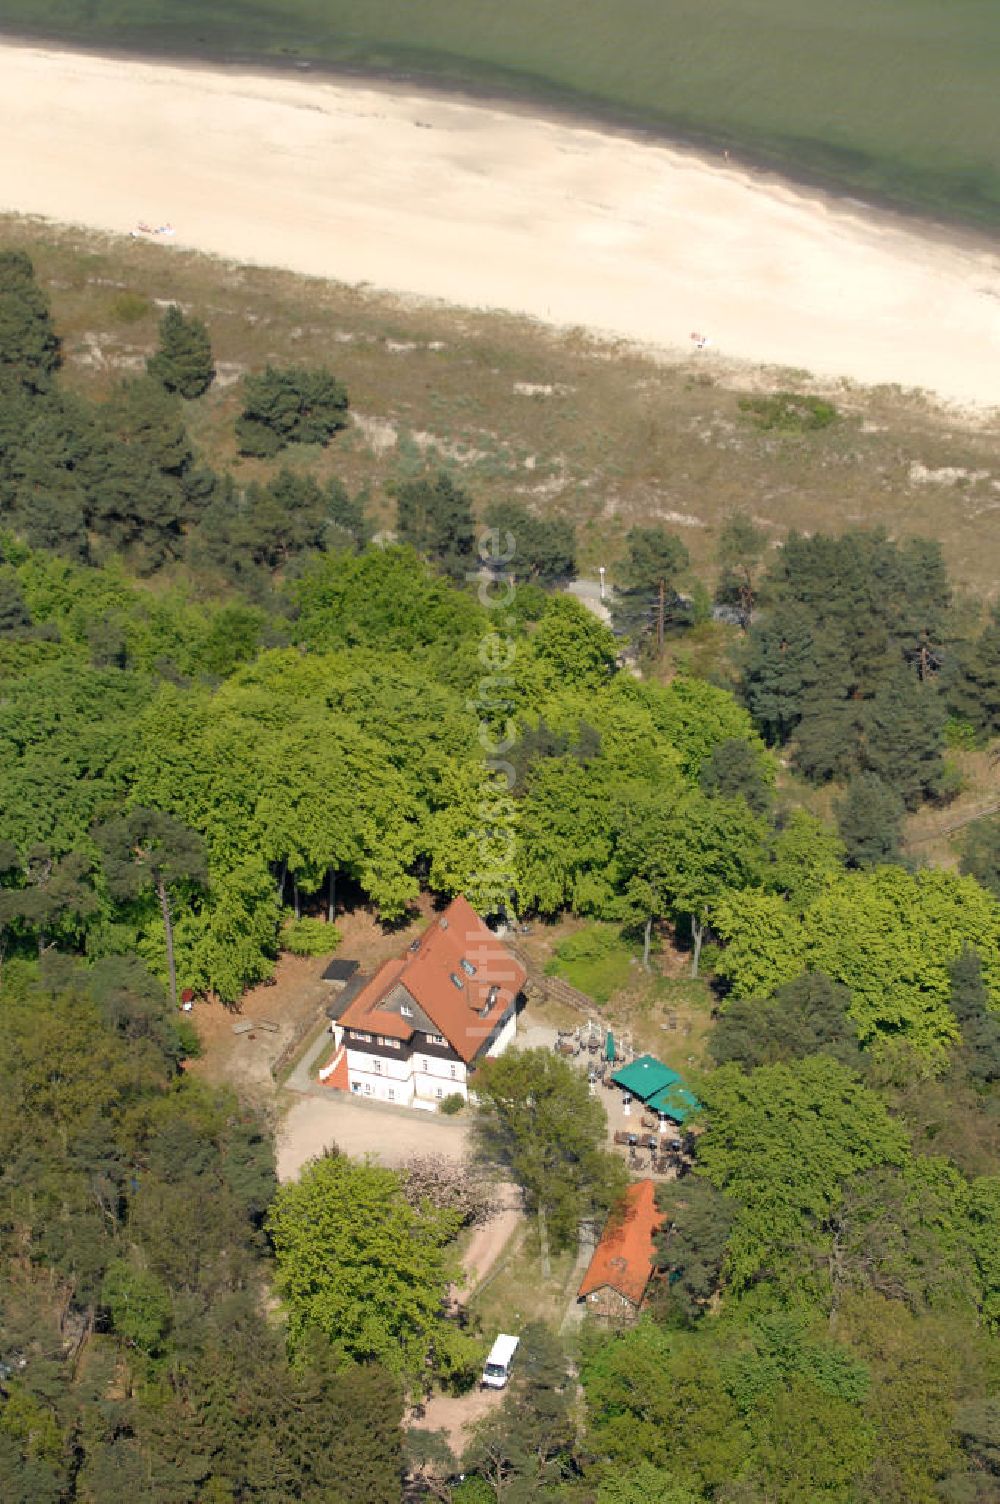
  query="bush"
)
[
  {"x": 188, "y": 1038},
  {"x": 129, "y": 307},
  {"x": 789, "y": 412},
  {"x": 452, "y": 1104},
  {"x": 960, "y": 735},
  {"x": 309, "y": 937}
]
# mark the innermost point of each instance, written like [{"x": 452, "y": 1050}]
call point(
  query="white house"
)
[{"x": 415, "y": 1030}]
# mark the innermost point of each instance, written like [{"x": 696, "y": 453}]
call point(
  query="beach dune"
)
[{"x": 482, "y": 206}]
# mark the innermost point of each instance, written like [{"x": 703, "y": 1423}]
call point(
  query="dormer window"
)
[
  {"x": 468, "y": 968},
  {"x": 456, "y": 981}
]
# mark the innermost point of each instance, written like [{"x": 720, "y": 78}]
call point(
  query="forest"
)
[{"x": 226, "y": 707}]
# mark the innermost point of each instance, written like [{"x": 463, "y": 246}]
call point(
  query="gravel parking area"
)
[{"x": 388, "y": 1134}]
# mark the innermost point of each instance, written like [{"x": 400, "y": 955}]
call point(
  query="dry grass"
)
[
  {"x": 516, "y": 1293},
  {"x": 573, "y": 426},
  {"x": 933, "y": 833}
]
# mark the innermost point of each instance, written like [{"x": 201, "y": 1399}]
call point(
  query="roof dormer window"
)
[
  {"x": 456, "y": 981},
  {"x": 468, "y": 968}
]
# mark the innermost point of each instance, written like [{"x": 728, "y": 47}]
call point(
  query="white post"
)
[{"x": 601, "y": 573}]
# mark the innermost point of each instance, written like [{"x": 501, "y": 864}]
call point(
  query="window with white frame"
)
[
  {"x": 377, "y": 1067},
  {"x": 435, "y": 1039}
]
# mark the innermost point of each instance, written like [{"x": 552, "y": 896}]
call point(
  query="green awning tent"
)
[
  {"x": 644, "y": 1077},
  {"x": 674, "y": 1101},
  {"x": 609, "y": 1048}
]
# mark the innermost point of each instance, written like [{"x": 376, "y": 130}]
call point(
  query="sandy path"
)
[{"x": 451, "y": 199}]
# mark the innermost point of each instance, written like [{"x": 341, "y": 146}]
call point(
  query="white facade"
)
[
  {"x": 504, "y": 1038},
  {"x": 415, "y": 1080},
  {"x": 389, "y": 1072}
]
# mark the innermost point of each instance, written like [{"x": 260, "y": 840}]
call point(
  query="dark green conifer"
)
[{"x": 183, "y": 362}]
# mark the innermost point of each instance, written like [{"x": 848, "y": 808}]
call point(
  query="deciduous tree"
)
[
  {"x": 358, "y": 1263},
  {"x": 537, "y": 1122}
]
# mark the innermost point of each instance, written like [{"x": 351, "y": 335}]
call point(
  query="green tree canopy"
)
[
  {"x": 889, "y": 936},
  {"x": 870, "y": 819},
  {"x": 647, "y": 595},
  {"x": 539, "y": 1124},
  {"x": 183, "y": 360},
  {"x": 358, "y": 1263},
  {"x": 29, "y": 348},
  {"x": 434, "y": 516},
  {"x": 781, "y": 1142},
  {"x": 290, "y": 405}
]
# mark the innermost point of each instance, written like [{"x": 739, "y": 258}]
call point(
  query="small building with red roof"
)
[
  {"x": 415, "y": 1030},
  {"x": 615, "y": 1283}
]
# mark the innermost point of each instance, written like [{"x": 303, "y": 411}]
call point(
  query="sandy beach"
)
[{"x": 446, "y": 198}]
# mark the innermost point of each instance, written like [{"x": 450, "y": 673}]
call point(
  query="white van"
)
[{"x": 497, "y": 1370}]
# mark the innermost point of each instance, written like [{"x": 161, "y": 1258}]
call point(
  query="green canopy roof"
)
[
  {"x": 609, "y": 1047},
  {"x": 674, "y": 1101},
  {"x": 645, "y": 1077}
]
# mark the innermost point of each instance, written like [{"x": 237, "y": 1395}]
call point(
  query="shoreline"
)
[
  {"x": 433, "y": 195},
  {"x": 554, "y": 104}
]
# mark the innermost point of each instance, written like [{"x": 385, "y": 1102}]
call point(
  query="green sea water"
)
[{"x": 894, "y": 99}]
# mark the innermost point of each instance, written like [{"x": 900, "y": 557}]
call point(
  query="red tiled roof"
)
[
  {"x": 338, "y": 1078},
  {"x": 358, "y": 1013},
  {"x": 429, "y": 975},
  {"x": 623, "y": 1258}
]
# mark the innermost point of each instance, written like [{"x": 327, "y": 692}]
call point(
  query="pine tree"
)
[
  {"x": 741, "y": 546},
  {"x": 435, "y": 517},
  {"x": 980, "y": 1025},
  {"x": 183, "y": 363},
  {"x": 29, "y": 349},
  {"x": 981, "y": 852},
  {"x": 647, "y": 597},
  {"x": 972, "y": 679},
  {"x": 150, "y": 849},
  {"x": 903, "y": 729},
  {"x": 293, "y": 405},
  {"x": 14, "y": 613},
  {"x": 869, "y": 818},
  {"x": 779, "y": 666},
  {"x": 735, "y": 770}
]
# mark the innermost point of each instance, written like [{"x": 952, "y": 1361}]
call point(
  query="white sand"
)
[{"x": 449, "y": 199}]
